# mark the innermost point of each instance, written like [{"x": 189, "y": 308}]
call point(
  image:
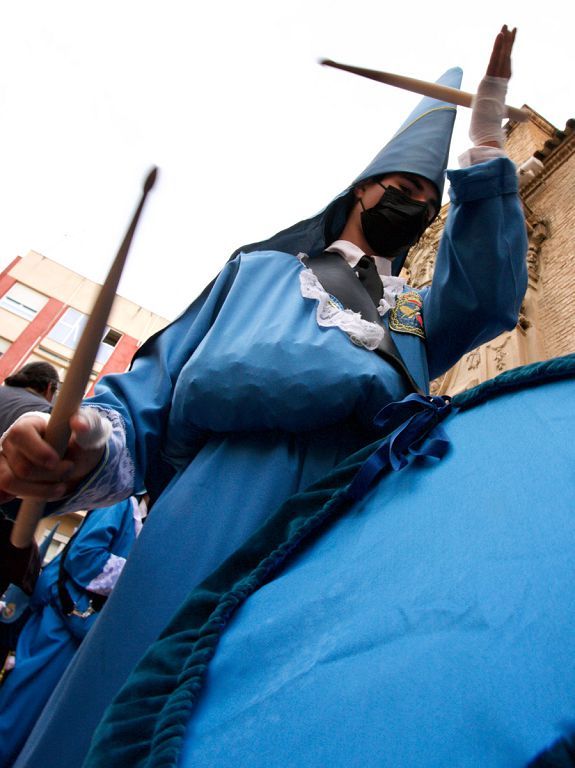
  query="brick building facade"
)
[{"x": 43, "y": 309}]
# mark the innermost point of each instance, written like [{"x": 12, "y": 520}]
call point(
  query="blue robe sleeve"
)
[
  {"x": 480, "y": 274},
  {"x": 138, "y": 404},
  {"x": 95, "y": 543}
]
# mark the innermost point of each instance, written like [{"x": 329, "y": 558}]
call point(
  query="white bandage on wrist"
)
[
  {"x": 488, "y": 111},
  {"x": 99, "y": 430}
]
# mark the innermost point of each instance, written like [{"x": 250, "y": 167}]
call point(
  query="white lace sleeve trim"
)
[
  {"x": 113, "y": 479},
  {"x": 105, "y": 582},
  {"x": 330, "y": 313},
  {"x": 139, "y": 512},
  {"x": 481, "y": 154}
]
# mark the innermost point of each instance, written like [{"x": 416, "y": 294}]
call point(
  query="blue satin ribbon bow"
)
[{"x": 413, "y": 428}]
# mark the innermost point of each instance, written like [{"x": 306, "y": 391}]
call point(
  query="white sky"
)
[{"x": 227, "y": 98}]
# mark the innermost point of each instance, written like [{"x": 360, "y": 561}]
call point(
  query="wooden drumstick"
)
[
  {"x": 423, "y": 87},
  {"x": 78, "y": 375}
]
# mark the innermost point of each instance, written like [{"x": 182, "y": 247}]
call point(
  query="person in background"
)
[
  {"x": 67, "y": 599},
  {"x": 29, "y": 390},
  {"x": 32, "y": 388}
]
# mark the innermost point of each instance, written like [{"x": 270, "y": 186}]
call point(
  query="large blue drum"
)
[{"x": 419, "y": 617}]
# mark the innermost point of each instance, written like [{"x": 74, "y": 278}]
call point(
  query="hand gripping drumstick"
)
[
  {"x": 78, "y": 375},
  {"x": 441, "y": 92}
]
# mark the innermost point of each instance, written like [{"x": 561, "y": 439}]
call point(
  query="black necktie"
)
[{"x": 371, "y": 281}]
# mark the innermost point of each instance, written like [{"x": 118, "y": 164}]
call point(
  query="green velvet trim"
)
[{"x": 518, "y": 378}]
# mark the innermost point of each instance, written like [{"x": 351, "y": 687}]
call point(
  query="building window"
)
[
  {"x": 111, "y": 338},
  {"x": 23, "y": 301},
  {"x": 69, "y": 327},
  {"x": 68, "y": 330},
  {"x": 4, "y": 345},
  {"x": 54, "y": 357}
]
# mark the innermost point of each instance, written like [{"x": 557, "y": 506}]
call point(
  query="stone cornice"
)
[
  {"x": 550, "y": 165},
  {"x": 535, "y": 118},
  {"x": 553, "y": 159}
]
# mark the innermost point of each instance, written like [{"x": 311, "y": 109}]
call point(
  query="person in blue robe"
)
[
  {"x": 271, "y": 378},
  {"x": 15, "y": 610},
  {"x": 65, "y": 604}
]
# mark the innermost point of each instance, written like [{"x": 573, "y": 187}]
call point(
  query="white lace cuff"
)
[
  {"x": 113, "y": 478},
  {"x": 105, "y": 582},
  {"x": 476, "y": 155},
  {"x": 330, "y": 313}
]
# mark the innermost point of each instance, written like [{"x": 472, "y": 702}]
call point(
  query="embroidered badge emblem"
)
[{"x": 406, "y": 316}]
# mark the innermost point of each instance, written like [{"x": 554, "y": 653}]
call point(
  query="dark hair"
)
[{"x": 37, "y": 376}]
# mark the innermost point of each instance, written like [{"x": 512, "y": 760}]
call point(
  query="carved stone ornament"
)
[
  {"x": 499, "y": 353},
  {"x": 523, "y": 322},
  {"x": 435, "y": 387},
  {"x": 420, "y": 261},
  {"x": 473, "y": 359},
  {"x": 538, "y": 233}
]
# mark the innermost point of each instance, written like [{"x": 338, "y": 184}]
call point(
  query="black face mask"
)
[{"x": 395, "y": 223}]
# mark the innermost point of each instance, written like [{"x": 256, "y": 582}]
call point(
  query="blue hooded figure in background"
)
[
  {"x": 69, "y": 594},
  {"x": 16, "y": 606}
]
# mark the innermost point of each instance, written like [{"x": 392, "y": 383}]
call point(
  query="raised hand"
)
[
  {"x": 500, "y": 61},
  {"x": 489, "y": 103}
]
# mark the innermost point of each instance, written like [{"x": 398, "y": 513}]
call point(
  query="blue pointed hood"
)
[{"x": 420, "y": 146}]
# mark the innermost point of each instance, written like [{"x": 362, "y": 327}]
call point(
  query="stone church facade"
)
[{"x": 546, "y": 160}]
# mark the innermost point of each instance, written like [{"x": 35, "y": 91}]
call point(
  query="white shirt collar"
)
[{"x": 352, "y": 254}]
